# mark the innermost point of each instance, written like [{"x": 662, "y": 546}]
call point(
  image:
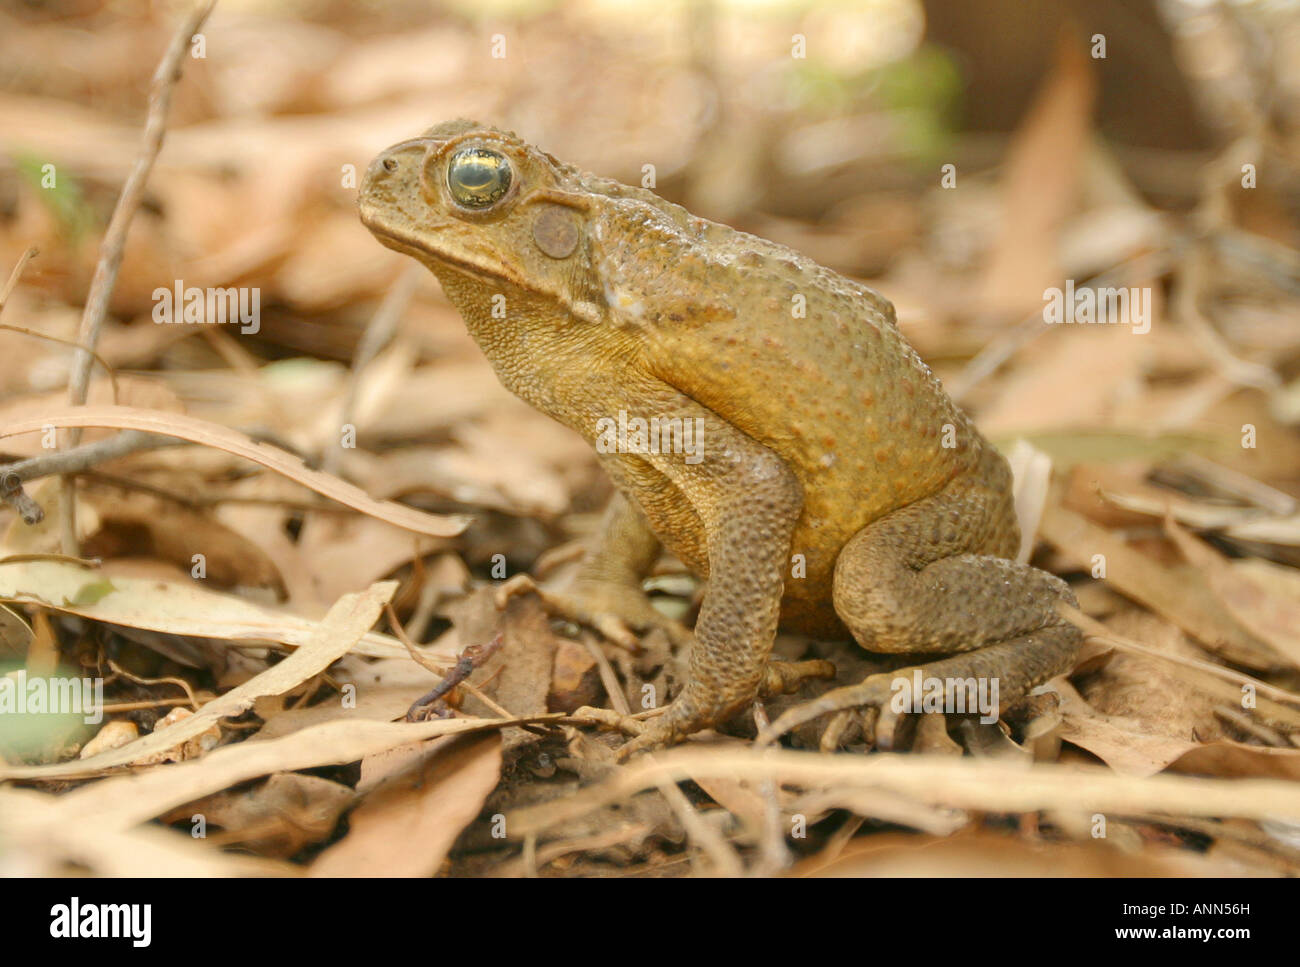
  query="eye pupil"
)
[{"x": 477, "y": 177}]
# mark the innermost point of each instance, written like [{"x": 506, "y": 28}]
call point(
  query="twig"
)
[
  {"x": 112, "y": 708},
  {"x": 428, "y": 597},
  {"x": 182, "y": 683},
  {"x": 530, "y": 856},
  {"x": 89, "y": 563},
  {"x": 1190, "y": 280},
  {"x": 1095, "y": 629},
  {"x": 774, "y": 855},
  {"x": 607, "y": 677},
  {"x": 76, "y": 460},
  {"x": 112, "y": 375},
  {"x": 726, "y": 862},
  {"x": 114, "y": 243},
  {"x": 582, "y": 844},
  {"x": 88, "y": 455},
  {"x": 1247, "y": 724},
  {"x": 985, "y": 785},
  {"x": 379, "y": 331},
  {"x": 471, "y": 658},
  {"x": 111, "y": 250},
  {"x": 1224, "y": 481},
  {"x": 11, "y": 492},
  {"x": 420, "y": 659},
  {"x": 16, "y": 274}
]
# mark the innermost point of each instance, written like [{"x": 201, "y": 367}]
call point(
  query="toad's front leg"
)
[{"x": 747, "y": 501}]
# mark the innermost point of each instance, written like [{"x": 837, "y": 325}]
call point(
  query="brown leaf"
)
[
  {"x": 1179, "y": 594},
  {"x": 1040, "y": 183},
  {"x": 347, "y": 621},
  {"x": 277, "y": 817},
  {"x": 232, "y": 441},
  {"x": 407, "y": 825}
]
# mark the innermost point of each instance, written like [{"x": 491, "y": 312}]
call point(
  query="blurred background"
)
[{"x": 824, "y": 125}]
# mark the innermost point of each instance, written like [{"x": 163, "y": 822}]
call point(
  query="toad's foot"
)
[
  {"x": 679, "y": 719},
  {"x": 870, "y": 699},
  {"x": 617, "y": 611},
  {"x": 969, "y": 683},
  {"x": 787, "y": 677},
  {"x": 682, "y": 716}
]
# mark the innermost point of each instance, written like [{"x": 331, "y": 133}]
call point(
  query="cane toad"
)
[{"x": 762, "y": 416}]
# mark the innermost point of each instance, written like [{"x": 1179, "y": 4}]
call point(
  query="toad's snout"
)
[{"x": 393, "y": 179}]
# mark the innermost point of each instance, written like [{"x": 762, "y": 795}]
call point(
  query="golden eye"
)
[{"x": 478, "y": 178}]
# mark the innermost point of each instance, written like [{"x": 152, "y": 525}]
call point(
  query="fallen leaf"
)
[
  {"x": 232, "y": 441},
  {"x": 406, "y": 826},
  {"x": 347, "y": 621}
]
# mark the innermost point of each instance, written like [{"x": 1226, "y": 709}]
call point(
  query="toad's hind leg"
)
[{"x": 928, "y": 579}]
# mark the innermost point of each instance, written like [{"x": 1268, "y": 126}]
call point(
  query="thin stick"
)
[
  {"x": 1095, "y": 629},
  {"x": 12, "y": 493},
  {"x": 108, "y": 370},
  {"x": 180, "y": 682},
  {"x": 16, "y": 274},
  {"x": 114, "y": 707},
  {"x": 985, "y": 785},
  {"x": 428, "y": 665},
  {"x": 114, "y": 243},
  {"x": 76, "y": 460},
  {"x": 88, "y": 455},
  {"x": 379, "y": 332},
  {"x": 725, "y": 860},
  {"x": 607, "y": 677},
  {"x": 774, "y": 855}
]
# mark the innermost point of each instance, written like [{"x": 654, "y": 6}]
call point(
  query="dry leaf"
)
[
  {"x": 406, "y": 825},
  {"x": 232, "y": 441},
  {"x": 347, "y": 621}
]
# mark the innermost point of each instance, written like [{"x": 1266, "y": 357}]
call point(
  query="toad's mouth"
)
[{"x": 409, "y": 243}]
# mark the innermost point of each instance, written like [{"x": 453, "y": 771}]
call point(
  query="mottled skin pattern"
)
[{"x": 825, "y": 436}]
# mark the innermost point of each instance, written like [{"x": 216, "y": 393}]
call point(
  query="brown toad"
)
[{"x": 762, "y": 416}]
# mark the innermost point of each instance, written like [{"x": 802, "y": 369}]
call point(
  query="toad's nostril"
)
[{"x": 390, "y": 164}]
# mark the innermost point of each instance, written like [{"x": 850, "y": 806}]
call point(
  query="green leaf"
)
[{"x": 91, "y": 593}]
